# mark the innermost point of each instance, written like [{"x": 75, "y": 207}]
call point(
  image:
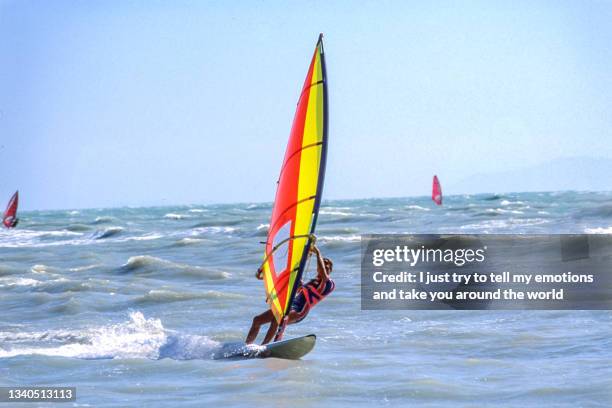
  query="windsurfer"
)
[
  {"x": 307, "y": 296},
  {"x": 9, "y": 218},
  {"x": 12, "y": 223}
]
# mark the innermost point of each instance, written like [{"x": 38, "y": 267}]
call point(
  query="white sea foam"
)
[
  {"x": 11, "y": 282},
  {"x": 341, "y": 213},
  {"x": 136, "y": 338},
  {"x": 108, "y": 232},
  {"x": 148, "y": 264},
  {"x": 502, "y": 211},
  {"x": 213, "y": 230},
  {"x": 174, "y": 216},
  {"x": 506, "y": 202},
  {"x": 39, "y": 269},
  {"x": 145, "y": 237},
  {"x": 103, "y": 219},
  {"x": 189, "y": 241},
  {"x": 348, "y": 238},
  {"x": 84, "y": 268},
  {"x": 417, "y": 207}
]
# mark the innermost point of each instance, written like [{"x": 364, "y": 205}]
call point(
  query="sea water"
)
[{"x": 130, "y": 304}]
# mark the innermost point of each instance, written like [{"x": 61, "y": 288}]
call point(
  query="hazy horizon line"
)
[{"x": 324, "y": 201}]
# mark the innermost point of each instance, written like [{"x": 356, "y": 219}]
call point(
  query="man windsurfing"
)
[
  {"x": 306, "y": 298},
  {"x": 9, "y": 218}
]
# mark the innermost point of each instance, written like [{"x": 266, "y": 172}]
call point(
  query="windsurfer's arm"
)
[{"x": 321, "y": 269}]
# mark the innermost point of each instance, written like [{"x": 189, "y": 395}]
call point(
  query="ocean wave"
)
[
  {"x": 417, "y": 207},
  {"x": 58, "y": 284},
  {"x": 504, "y": 225},
  {"x": 29, "y": 238},
  {"x": 174, "y": 216},
  {"x": 108, "y": 232},
  {"x": 156, "y": 296},
  {"x": 341, "y": 238},
  {"x": 217, "y": 224},
  {"x": 78, "y": 227},
  {"x": 103, "y": 220},
  {"x": 84, "y": 268},
  {"x": 214, "y": 230},
  {"x": 39, "y": 268},
  {"x": 331, "y": 230},
  {"x": 138, "y": 337},
  {"x": 502, "y": 211},
  {"x": 146, "y": 237},
  {"x": 353, "y": 218},
  {"x": 9, "y": 270},
  {"x": 151, "y": 264},
  {"x": 257, "y": 206},
  {"x": 603, "y": 211},
  {"x": 56, "y": 234},
  {"x": 197, "y": 210},
  {"x": 46, "y": 336},
  {"x": 506, "y": 202},
  {"x": 11, "y": 282},
  {"x": 188, "y": 241},
  {"x": 340, "y": 213},
  {"x": 492, "y": 197}
]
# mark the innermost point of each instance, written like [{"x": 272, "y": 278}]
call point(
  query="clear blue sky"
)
[{"x": 144, "y": 103}]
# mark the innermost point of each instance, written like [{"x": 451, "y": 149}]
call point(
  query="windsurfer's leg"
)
[
  {"x": 271, "y": 331},
  {"x": 258, "y": 321},
  {"x": 293, "y": 317}
]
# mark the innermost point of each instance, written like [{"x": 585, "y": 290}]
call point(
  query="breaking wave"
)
[
  {"x": 136, "y": 338},
  {"x": 108, "y": 232},
  {"x": 150, "y": 264},
  {"x": 174, "y": 216},
  {"x": 156, "y": 296}
]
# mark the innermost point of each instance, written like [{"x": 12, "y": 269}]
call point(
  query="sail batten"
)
[{"x": 299, "y": 190}]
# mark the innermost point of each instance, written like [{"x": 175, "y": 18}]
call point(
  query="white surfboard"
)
[{"x": 292, "y": 349}]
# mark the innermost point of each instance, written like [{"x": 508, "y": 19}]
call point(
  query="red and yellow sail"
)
[{"x": 298, "y": 194}]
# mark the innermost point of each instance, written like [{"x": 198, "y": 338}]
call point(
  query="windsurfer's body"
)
[
  {"x": 11, "y": 222},
  {"x": 307, "y": 296}
]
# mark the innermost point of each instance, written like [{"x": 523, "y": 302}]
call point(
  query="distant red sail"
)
[
  {"x": 10, "y": 215},
  {"x": 436, "y": 191}
]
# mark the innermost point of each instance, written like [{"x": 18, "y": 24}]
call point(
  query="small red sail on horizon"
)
[
  {"x": 436, "y": 191},
  {"x": 10, "y": 214}
]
